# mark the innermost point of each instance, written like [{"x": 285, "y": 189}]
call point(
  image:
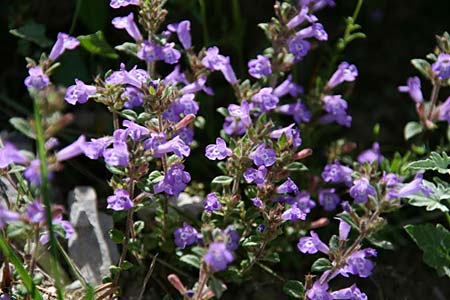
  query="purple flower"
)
[
  {"x": 390, "y": 179},
  {"x": 94, "y": 149},
  {"x": 312, "y": 244},
  {"x": 328, "y": 199},
  {"x": 135, "y": 77},
  {"x": 7, "y": 216},
  {"x": 198, "y": 85},
  {"x": 266, "y": 100},
  {"x": 37, "y": 79},
  {"x": 344, "y": 229},
  {"x": 259, "y": 67},
  {"x": 257, "y": 202},
  {"x": 33, "y": 173},
  {"x": 79, "y": 93},
  {"x": 63, "y": 42},
  {"x": 228, "y": 73},
  {"x": 135, "y": 131},
  {"x": 150, "y": 52},
  {"x": 255, "y": 175},
  {"x": 316, "y": 30},
  {"x": 65, "y": 225},
  {"x": 298, "y": 47},
  {"x": 261, "y": 228},
  {"x": 241, "y": 112},
  {"x": 444, "y": 111},
  {"x": 361, "y": 190},
  {"x": 176, "y": 76},
  {"x": 129, "y": 25},
  {"x": 315, "y": 5},
  {"x": 371, "y": 155},
  {"x": 319, "y": 292},
  {"x": 188, "y": 105},
  {"x": 35, "y": 212},
  {"x": 120, "y": 200},
  {"x": 294, "y": 214},
  {"x": 9, "y": 154},
  {"x": 218, "y": 256},
  {"x": 337, "y": 173},
  {"x": 350, "y": 293},
  {"x": 175, "y": 145},
  {"x": 212, "y": 203},
  {"x": 185, "y": 236},
  {"x": 288, "y": 87},
  {"x": 292, "y": 134},
  {"x": 298, "y": 110},
  {"x": 263, "y": 156},
  {"x": 232, "y": 237},
  {"x": 133, "y": 97},
  {"x": 345, "y": 72},
  {"x": 414, "y": 89},
  {"x": 336, "y": 107},
  {"x": 118, "y": 155},
  {"x": 413, "y": 187},
  {"x": 186, "y": 134},
  {"x": 301, "y": 17},
  {"x": 183, "y": 30},
  {"x": 442, "y": 66},
  {"x": 304, "y": 202},
  {"x": 218, "y": 151},
  {"x": 169, "y": 54},
  {"x": 213, "y": 60},
  {"x": 122, "y": 3},
  {"x": 358, "y": 264},
  {"x": 72, "y": 150},
  {"x": 287, "y": 187},
  {"x": 174, "y": 181}
]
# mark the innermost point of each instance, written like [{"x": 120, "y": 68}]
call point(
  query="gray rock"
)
[{"x": 91, "y": 248}]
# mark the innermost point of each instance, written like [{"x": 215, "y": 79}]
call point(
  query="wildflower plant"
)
[{"x": 267, "y": 189}]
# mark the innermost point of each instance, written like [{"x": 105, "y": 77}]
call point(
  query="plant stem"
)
[
  {"x": 40, "y": 144},
  {"x": 433, "y": 98}
]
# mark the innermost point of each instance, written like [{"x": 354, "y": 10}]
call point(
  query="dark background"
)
[{"x": 397, "y": 31}]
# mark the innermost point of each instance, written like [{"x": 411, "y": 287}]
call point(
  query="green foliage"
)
[
  {"x": 191, "y": 260},
  {"x": 412, "y": 129},
  {"x": 435, "y": 244},
  {"x": 26, "y": 278},
  {"x": 321, "y": 265},
  {"x": 436, "y": 162},
  {"x": 96, "y": 44},
  {"x": 33, "y": 32},
  {"x": 439, "y": 192},
  {"x": 294, "y": 289}
]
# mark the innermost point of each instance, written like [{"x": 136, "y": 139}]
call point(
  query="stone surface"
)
[{"x": 91, "y": 248}]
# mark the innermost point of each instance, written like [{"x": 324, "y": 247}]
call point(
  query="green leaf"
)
[
  {"x": 191, "y": 260},
  {"x": 222, "y": 180},
  {"x": 129, "y": 114},
  {"x": 422, "y": 66},
  {"x": 33, "y": 32},
  {"x": 432, "y": 201},
  {"x": 252, "y": 241},
  {"x": 294, "y": 288},
  {"x": 116, "y": 236},
  {"x": 216, "y": 286},
  {"x": 126, "y": 265},
  {"x": 437, "y": 162},
  {"x": 26, "y": 278},
  {"x": 16, "y": 229},
  {"x": 23, "y": 126},
  {"x": 412, "y": 129},
  {"x": 297, "y": 166},
  {"x": 321, "y": 265},
  {"x": 128, "y": 48},
  {"x": 96, "y": 44},
  {"x": 435, "y": 244}
]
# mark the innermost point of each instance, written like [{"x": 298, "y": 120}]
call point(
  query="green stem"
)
[
  {"x": 40, "y": 145},
  {"x": 433, "y": 99},
  {"x": 75, "y": 16},
  {"x": 204, "y": 20}
]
